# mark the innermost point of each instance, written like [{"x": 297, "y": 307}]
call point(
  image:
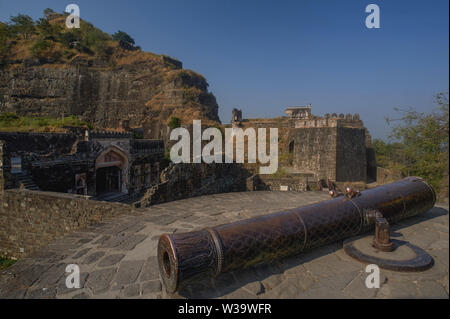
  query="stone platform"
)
[{"x": 117, "y": 258}]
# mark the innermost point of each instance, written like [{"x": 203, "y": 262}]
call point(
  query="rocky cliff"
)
[
  {"x": 56, "y": 72},
  {"x": 146, "y": 89}
]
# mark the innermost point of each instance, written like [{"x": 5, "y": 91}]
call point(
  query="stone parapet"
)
[{"x": 32, "y": 219}]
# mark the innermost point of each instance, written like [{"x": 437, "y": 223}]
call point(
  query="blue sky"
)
[{"x": 262, "y": 56}]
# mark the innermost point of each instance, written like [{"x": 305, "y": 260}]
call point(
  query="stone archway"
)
[{"x": 111, "y": 168}]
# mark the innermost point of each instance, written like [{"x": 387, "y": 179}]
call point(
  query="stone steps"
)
[
  {"x": 26, "y": 181},
  {"x": 116, "y": 198}
]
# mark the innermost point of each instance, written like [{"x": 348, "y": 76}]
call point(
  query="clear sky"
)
[{"x": 262, "y": 56}]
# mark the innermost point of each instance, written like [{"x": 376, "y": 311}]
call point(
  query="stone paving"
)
[{"x": 117, "y": 258}]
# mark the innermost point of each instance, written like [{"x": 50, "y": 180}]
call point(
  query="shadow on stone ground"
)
[{"x": 227, "y": 283}]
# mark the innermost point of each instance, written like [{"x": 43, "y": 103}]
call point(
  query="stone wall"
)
[
  {"x": 50, "y": 145},
  {"x": 294, "y": 182},
  {"x": 61, "y": 177},
  {"x": 315, "y": 151},
  {"x": 180, "y": 181},
  {"x": 35, "y": 148},
  {"x": 335, "y": 147},
  {"x": 351, "y": 162},
  {"x": 30, "y": 219},
  {"x": 54, "y": 161},
  {"x": 331, "y": 121},
  {"x": 6, "y": 181}
]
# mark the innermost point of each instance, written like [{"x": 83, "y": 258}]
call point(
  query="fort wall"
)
[
  {"x": 315, "y": 151},
  {"x": 294, "y": 182},
  {"x": 31, "y": 219},
  {"x": 351, "y": 155},
  {"x": 179, "y": 181},
  {"x": 335, "y": 147}
]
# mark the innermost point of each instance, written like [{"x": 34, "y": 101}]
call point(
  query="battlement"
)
[
  {"x": 109, "y": 134},
  {"x": 148, "y": 146},
  {"x": 332, "y": 120}
]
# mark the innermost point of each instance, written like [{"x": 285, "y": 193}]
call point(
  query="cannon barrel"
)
[{"x": 211, "y": 251}]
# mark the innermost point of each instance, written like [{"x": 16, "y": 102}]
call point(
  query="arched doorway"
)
[
  {"x": 109, "y": 180},
  {"x": 111, "y": 171}
]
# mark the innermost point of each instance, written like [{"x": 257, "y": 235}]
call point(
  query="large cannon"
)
[{"x": 246, "y": 243}]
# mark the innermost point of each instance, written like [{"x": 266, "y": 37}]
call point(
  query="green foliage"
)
[
  {"x": 68, "y": 39},
  {"x": 137, "y": 135},
  {"x": 287, "y": 158},
  {"x": 23, "y": 25},
  {"x": 93, "y": 36},
  {"x": 5, "y": 263},
  {"x": 41, "y": 48},
  {"x": 5, "y": 34},
  {"x": 281, "y": 172},
  {"x": 8, "y": 117},
  {"x": 12, "y": 122},
  {"x": 167, "y": 154},
  {"x": 125, "y": 40},
  {"x": 87, "y": 39},
  {"x": 421, "y": 146},
  {"x": 48, "y": 13},
  {"x": 48, "y": 31},
  {"x": 389, "y": 155},
  {"x": 174, "y": 122}
]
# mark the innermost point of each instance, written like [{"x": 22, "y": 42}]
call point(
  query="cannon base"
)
[{"x": 404, "y": 257}]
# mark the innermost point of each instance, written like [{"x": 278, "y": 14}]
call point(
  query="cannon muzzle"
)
[{"x": 246, "y": 243}]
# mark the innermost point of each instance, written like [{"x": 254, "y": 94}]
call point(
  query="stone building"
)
[
  {"x": 91, "y": 163},
  {"x": 332, "y": 147},
  {"x": 299, "y": 112}
]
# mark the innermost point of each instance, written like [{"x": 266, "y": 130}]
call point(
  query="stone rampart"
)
[{"x": 30, "y": 219}]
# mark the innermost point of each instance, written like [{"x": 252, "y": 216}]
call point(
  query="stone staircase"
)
[
  {"x": 116, "y": 198},
  {"x": 26, "y": 181}
]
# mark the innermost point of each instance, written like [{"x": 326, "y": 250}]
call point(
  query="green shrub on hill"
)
[
  {"x": 50, "y": 41},
  {"x": 12, "y": 122}
]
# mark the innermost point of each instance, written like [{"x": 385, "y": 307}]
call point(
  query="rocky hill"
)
[{"x": 52, "y": 71}]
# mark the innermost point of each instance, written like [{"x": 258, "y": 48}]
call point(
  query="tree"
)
[
  {"x": 4, "y": 33},
  {"x": 389, "y": 155},
  {"x": 49, "y": 13},
  {"x": 45, "y": 28},
  {"x": 41, "y": 49},
  {"x": 23, "y": 25},
  {"x": 4, "y": 43},
  {"x": 424, "y": 137},
  {"x": 96, "y": 41},
  {"x": 125, "y": 40}
]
